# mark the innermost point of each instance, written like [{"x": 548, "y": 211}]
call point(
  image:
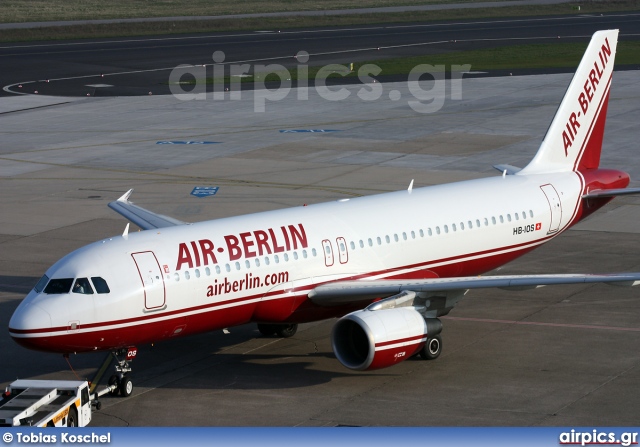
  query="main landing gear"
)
[
  {"x": 120, "y": 382},
  {"x": 281, "y": 330},
  {"x": 433, "y": 346}
]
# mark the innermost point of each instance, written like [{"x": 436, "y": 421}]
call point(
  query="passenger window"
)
[
  {"x": 82, "y": 286},
  {"x": 266, "y": 260},
  {"x": 486, "y": 222},
  {"x": 100, "y": 284},
  {"x": 531, "y": 213},
  {"x": 404, "y": 235},
  {"x": 453, "y": 226},
  {"x": 361, "y": 244},
  {"x": 276, "y": 258},
  {"x": 379, "y": 240},
  {"x": 304, "y": 254},
  {"x": 446, "y": 228},
  {"x": 395, "y": 237},
  {"x": 413, "y": 234},
  {"x": 386, "y": 238},
  {"x": 197, "y": 273},
  {"x": 58, "y": 286},
  {"x": 493, "y": 220},
  {"x": 478, "y": 223},
  {"x": 207, "y": 270},
  {"x": 218, "y": 269},
  {"x": 517, "y": 217},
  {"x": 501, "y": 219},
  {"x": 295, "y": 255},
  {"x": 314, "y": 252},
  {"x": 247, "y": 264},
  {"x": 286, "y": 257},
  {"x": 176, "y": 276},
  {"x": 421, "y": 233},
  {"x": 509, "y": 217},
  {"x": 429, "y": 232},
  {"x": 370, "y": 243},
  {"x": 227, "y": 267},
  {"x": 186, "y": 275},
  {"x": 437, "y": 230},
  {"x": 237, "y": 265},
  {"x": 353, "y": 245},
  {"x": 257, "y": 262}
]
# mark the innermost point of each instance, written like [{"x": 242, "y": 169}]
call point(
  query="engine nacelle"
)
[{"x": 365, "y": 339}]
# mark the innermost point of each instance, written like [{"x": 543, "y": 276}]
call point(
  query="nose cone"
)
[{"x": 29, "y": 326}]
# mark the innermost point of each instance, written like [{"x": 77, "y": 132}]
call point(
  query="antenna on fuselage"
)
[{"x": 125, "y": 234}]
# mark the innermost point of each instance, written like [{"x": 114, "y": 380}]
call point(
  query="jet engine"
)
[{"x": 373, "y": 339}]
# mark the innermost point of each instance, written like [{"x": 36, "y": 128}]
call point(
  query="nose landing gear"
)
[{"x": 120, "y": 382}]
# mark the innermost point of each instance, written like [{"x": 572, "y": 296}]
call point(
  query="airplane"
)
[{"x": 388, "y": 265}]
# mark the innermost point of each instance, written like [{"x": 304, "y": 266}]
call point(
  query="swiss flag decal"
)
[{"x": 538, "y": 226}]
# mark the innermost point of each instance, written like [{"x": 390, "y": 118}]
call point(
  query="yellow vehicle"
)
[{"x": 46, "y": 403}]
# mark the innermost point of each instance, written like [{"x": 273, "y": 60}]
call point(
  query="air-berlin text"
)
[
  {"x": 587, "y": 94},
  {"x": 249, "y": 282},
  {"x": 247, "y": 244}
]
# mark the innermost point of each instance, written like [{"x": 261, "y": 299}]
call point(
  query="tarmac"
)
[{"x": 557, "y": 356}]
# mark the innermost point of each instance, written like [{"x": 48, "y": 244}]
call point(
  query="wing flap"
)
[
  {"x": 143, "y": 218},
  {"x": 345, "y": 292}
]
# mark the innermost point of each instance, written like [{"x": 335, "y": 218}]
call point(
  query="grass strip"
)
[
  {"x": 281, "y": 23},
  {"x": 534, "y": 56}
]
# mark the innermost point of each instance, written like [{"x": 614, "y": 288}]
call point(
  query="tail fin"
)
[{"x": 574, "y": 138}]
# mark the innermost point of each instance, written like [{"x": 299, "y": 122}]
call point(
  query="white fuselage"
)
[{"x": 260, "y": 267}]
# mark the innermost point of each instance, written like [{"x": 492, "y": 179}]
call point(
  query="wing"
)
[
  {"x": 145, "y": 219},
  {"x": 346, "y": 292}
]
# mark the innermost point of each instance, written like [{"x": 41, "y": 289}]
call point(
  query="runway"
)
[
  {"x": 556, "y": 356},
  {"x": 140, "y": 66}
]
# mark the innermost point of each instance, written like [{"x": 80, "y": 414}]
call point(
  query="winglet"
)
[{"x": 125, "y": 196}]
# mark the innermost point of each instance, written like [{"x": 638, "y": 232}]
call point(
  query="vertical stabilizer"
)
[{"x": 574, "y": 138}]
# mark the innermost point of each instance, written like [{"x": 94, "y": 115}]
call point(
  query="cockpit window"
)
[
  {"x": 58, "y": 286},
  {"x": 41, "y": 284},
  {"x": 82, "y": 286},
  {"x": 100, "y": 284}
]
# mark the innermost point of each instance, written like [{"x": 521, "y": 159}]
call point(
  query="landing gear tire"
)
[
  {"x": 72, "y": 418},
  {"x": 287, "y": 330},
  {"x": 267, "y": 330},
  {"x": 114, "y": 380},
  {"x": 432, "y": 348},
  {"x": 126, "y": 386}
]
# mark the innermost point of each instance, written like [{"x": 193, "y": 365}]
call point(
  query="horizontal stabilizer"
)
[
  {"x": 600, "y": 193},
  {"x": 345, "y": 292},
  {"x": 143, "y": 218},
  {"x": 508, "y": 169}
]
